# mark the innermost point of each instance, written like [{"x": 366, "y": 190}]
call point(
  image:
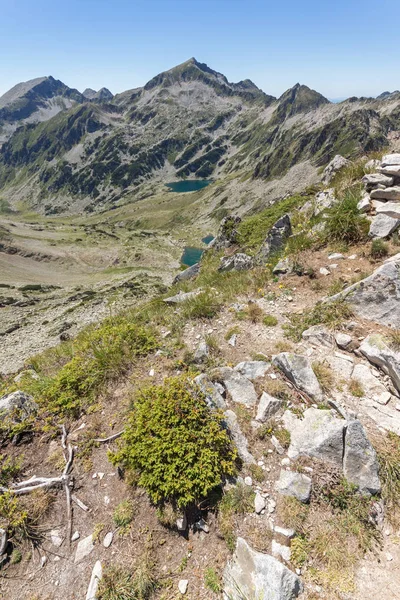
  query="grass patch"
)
[
  {"x": 344, "y": 222},
  {"x": 388, "y": 451},
  {"x": 270, "y": 321},
  {"x": 212, "y": 580},
  {"x": 379, "y": 249},
  {"x": 356, "y": 388},
  {"x": 235, "y": 330},
  {"x": 176, "y": 444},
  {"x": 123, "y": 514},
  {"x": 324, "y": 375},
  {"x": 119, "y": 583},
  {"x": 203, "y": 306},
  {"x": 332, "y": 314},
  {"x": 236, "y": 502}
]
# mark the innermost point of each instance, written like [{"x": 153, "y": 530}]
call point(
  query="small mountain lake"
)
[
  {"x": 192, "y": 185},
  {"x": 192, "y": 255}
]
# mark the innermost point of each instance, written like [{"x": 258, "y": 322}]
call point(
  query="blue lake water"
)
[
  {"x": 193, "y": 185},
  {"x": 207, "y": 239},
  {"x": 192, "y": 255}
]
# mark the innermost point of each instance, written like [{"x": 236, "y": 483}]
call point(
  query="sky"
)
[{"x": 342, "y": 48}]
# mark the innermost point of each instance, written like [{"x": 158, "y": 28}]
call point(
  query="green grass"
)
[
  {"x": 332, "y": 314},
  {"x": 212, "y": 580},
  {"x": 123, "y": 514},
  {"x": 344, "y": 222},
  {"x": 270, "y": 321},
  {"x": 379, "y": 249}
]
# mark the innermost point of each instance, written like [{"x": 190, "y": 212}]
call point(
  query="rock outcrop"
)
[
  {"x": 298, "y": 370},
  {"x": 236, "y": 262},
  {"x": 275, "y": 240},
  {"x": 337, "y": 163}
]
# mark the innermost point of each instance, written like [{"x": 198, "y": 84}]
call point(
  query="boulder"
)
[
  {"x": 341, "y": 365},
  {"x": 280, "y": 550},
  {"x": 201, "y": 353},
  {"x": 318, "y": 434},
  {"x": 275, "y": 240},
  {"x": 189, "y": 273},
  {"x": 298, "y": 370},
  {"x": 364, "y": 204},
  {"x": 389, "y": 193},
  {"x": 343, "y": 340},
  {"x": 371, "y": 385},
  {"x": 337, "y": 163},
  {"x": 238, "y": 437},
  {"x": 18, "y": 405},
  {"x": 376, "y": 350},
  {"x": 252, "y": 369},
  {"x": 360, "y": 462},
  {"x": 377, "y": 297},
  {"x": 318, "y": 335},
  {"x": 84, "y": 548},
  {"x": 267, "y": 407},
  {"x": 391, "y": 209},
  {"x": 257, "y": 576},
  {"x": 374, "y": 163},
  {"x": 282, "y": 267},
  {"x": 391, "y": 170},
  {"x": 390, "y": 160},
  {"x": 382, "y": 226},
  {"x": 239, "y": 387},
  {"x": 181, "y": 297},
  {"x": 210, "y": 390},
  {"x": 374, "y": 179},
  {"x": 227, "y": 233},
  {"x": 294, "y": 484},
  {"x": 237, "y": 262}
]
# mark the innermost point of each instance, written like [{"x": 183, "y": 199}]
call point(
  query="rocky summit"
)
[{"x": 199, "y": 382}]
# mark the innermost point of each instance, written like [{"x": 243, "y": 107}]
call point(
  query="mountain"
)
[{"x": 66, "y": 152}]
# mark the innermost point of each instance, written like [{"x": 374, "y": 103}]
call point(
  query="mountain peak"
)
[{"x": 298, "y": 99}]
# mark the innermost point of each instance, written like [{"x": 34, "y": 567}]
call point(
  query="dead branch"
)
[
  {"x": 79, "y": 503},
  {"x": 109, "y": 439}
]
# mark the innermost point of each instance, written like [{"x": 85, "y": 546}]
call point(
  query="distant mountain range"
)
[{"x": 63, "y": 150}]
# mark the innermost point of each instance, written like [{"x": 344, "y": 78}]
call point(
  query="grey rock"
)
[
  {"x": 391, "y": 209},
  {"x": 294, "y": 484},
  {"x": 275, "y": 240},
  {"x": 256, "y": 576},
  {"x": 236, "y": 262},
  {"x": 360, "y": 463},
  {"x": 390, "y": 159},
  {"x": 108, "y": 538},
  {"x": 252, "y": 369},
  {"x": 277, "y": 445},
  {"x": 183, "y": 586},
  {"x": 374, "y": 163},
  {"x": 389, "y": 193},
  {"x": 56, "y": 538},
  {"x": 323, "y": 200},
  {"x": 298, "y": 370},
  {"x": 364, "y": 205},
  {"x": 181, "y": 297},
  {"x": 373, "y": 179},
  {"x": 376, "y": 350},
  {"x": 336, "y": 164},
  {"x": 189, "y": 273},
  {"x": 318, "y": 434},
  {"x": 227, "y": 233},
  {"x": 288, "y": 533},
  {"x": 391, "y": 170},
  {"x": 318, "y": 335},
  {"x": 239, "y": 387},
  {"x": 202, "y": 526},
  {"x": 95, "y": 579},
  {"x": 3, "y": 541},
  {"x": 371, "y": 385},
  {"x": 382, "y": 226},
  {"x": 201, "y": 353},
  {"x": 280, "y": 550},
  {"x": 282, "y": 267},
  {"x": 268, "y": 406},
  {"x": 377, "y": 297},
  {"x": 211, "y": 391},
  {"x": 238, "y": 437},
  {"x": 17, "y": 401},
  {"x": 232, "y": 340},
  {"x": 341, "y": 367},
  {"x": 259, "y": 503},
  {"x": 84, "y": 548},
  {"x": 336, "y": 256},
  {"x": 343, "y": 340}
]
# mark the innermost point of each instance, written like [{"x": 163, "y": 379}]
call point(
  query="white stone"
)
[
  {"x": 324, "y": 271},
  {"x": 280, "y": 550},
  {"x": 248, "y": 481},
  {"x": 335, "y": 256},
  {"x": 95, "y": 579},
  {"x": 343, "y": 340},
  {"x": 56, "y": 538},
  {"x": 108, "y": 538},
  {"x": 84, "y": 548},
  {"x": 259, "y": 503},
  {"x": 75, "y": 536},
  {"x": 183, "y": 586},
  {"x": 390, "y": 159},
  {"x": 391, "y": 209}
]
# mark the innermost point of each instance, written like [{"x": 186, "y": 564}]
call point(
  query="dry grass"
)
[
  {"x": 324, "y": 375},
  {"x": 355, "y": 388},
  {"x": 388, "y": 450},
  {"x": 283, "y": 346}
]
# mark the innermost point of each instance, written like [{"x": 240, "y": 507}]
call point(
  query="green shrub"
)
[
  {"x": 344, "y": 221},
  {"x": 176, "y": 443},
  {"x": 379, "y": 249},
  {"x": 212, "y": 580},
  {"x": 270, "y": 321}
]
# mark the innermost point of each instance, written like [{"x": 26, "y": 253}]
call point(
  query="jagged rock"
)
[
  {"x": 211, "y": 391},
  {"x": 95, "y": 579},
  {"x": 341, "y": 365},
  {"x": 17, "y": 401},
  {"x": 280, "y": 550},
  {"x": 390, "y": 160},
  {"x": 324, "y": 200},
  {"x": 238, "y": 437},
  {"x": 181, "y": 297},
  {"x": 282, "y": 267},
  {"x": 294, "y": 484},
  {"x": 318, "y": 434},
  {"x": 267, "y": 407},
  {"x": 360, "y": 463},
  {"x": 232, "y": 340},
  {"x": 298, "y": 370},
  {"x": 389, "y": 193},
  {"x": 239, "y": 387},
  {"x": 277, "y": 445},
  {"x": 259, "y": 503},
  {"x": 252, "y": 369},
  {"x": 201, "y": 353},
  {"x": 371, "y": 385},
  {"x": 391, "y": 209},
  {"x": 227, "y": 233},
  {"x": 382, "y": 226},
  {"x": 237, "y": 262},
  {"x": 256, "y": 576},
  {"x": 275, "y": 240},
  {"x": 189, "y": 273},
  {"x": 318, "y": 335},
  {"x": 364, "y": 205},
  {"x": 373, "y": 179},
  {"x": 377, "y": 297},
  {"x": 337, "y": 163},
  {"x": 376, "y": 350},
  {"x": 391, "y": 170},
  {"x": 84, "y": 548},
  {"x": 343, "y": 340}
]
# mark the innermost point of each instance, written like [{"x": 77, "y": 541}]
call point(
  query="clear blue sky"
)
[{"x": 340, "y": 48}]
